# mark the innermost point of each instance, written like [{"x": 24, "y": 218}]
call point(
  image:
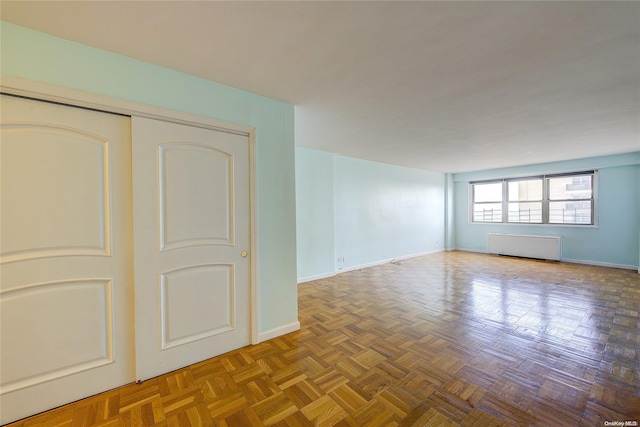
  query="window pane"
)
[
  {"x": 574, "y": 212},
  {"x": 525, "y": 190},
  {"x": 570, "y": 187},
  {"x": 487, "y": 212},
  {"x": 491, "y": 192},
  {"x": 530, "y": 212}
]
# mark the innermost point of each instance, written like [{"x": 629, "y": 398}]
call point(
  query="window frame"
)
[{"x": 545, "y": 202}]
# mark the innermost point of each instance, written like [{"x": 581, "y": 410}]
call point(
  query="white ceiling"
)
[{"x": 444, "y": 86}]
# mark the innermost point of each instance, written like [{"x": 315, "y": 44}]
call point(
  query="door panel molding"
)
[
  {"x": 206, "y": 295},
  {"x": 219, "y": 166},
  {"x": 34, "y": 172},
  {"x": 88, "y": 304}
]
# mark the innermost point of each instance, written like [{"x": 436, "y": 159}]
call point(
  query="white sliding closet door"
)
[
  {"x": 66, "y": 285},
  {"x": 191, "y": 233}
]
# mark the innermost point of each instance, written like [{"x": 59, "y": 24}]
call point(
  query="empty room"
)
[{"x": 329, "y": 213}]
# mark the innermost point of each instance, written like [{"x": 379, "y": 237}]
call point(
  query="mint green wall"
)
[
  {"x": 372, "y": 212},
  {"x": 315, "y": 210},
  {"x": 614, "y": 242},
  {"x": 37, "y": 56},
  {"x": 385, "y": 211}
]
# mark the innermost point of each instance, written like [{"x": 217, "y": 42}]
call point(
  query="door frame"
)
[{"x": 62, "y": 95}]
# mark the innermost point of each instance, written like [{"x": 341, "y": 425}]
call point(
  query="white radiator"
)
[{"x": 542, "y": 247}]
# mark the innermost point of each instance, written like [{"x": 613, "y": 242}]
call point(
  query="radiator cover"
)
[{"x": 527, "y": 246}]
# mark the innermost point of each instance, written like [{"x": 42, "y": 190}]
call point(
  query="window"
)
[
  {"x": 571, "y": 199},
  {"x": 524, "y": 201},
  {"x": 546, "y": 199},
  {"x": 487, "y": 206}
]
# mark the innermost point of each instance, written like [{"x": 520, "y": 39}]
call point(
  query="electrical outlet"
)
[{"x": 341, "y": 259}]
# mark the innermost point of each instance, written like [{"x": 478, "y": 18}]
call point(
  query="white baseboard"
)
[
  {"x": 386, "y": 261},
  {"x": 477, "y": 251},
  {"x": 316, "y": 277},
  {"x": 601, "y": 264},
  {"x": 276, "y": 332},
  {"x": 419, "y": 254}
]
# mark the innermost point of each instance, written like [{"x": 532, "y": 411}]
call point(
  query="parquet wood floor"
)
[{"x": 450, "y": 339}]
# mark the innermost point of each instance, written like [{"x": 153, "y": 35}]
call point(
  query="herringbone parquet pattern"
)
[{"x": 442, "y": 340}]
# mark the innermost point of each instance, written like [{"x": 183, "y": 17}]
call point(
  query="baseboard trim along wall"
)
[
  {"x": 276, "y": 332},
  {"x": 601, "y": 264},
  {"x": 316, "y": 277},
  {"x": 386, "y": 261}
]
